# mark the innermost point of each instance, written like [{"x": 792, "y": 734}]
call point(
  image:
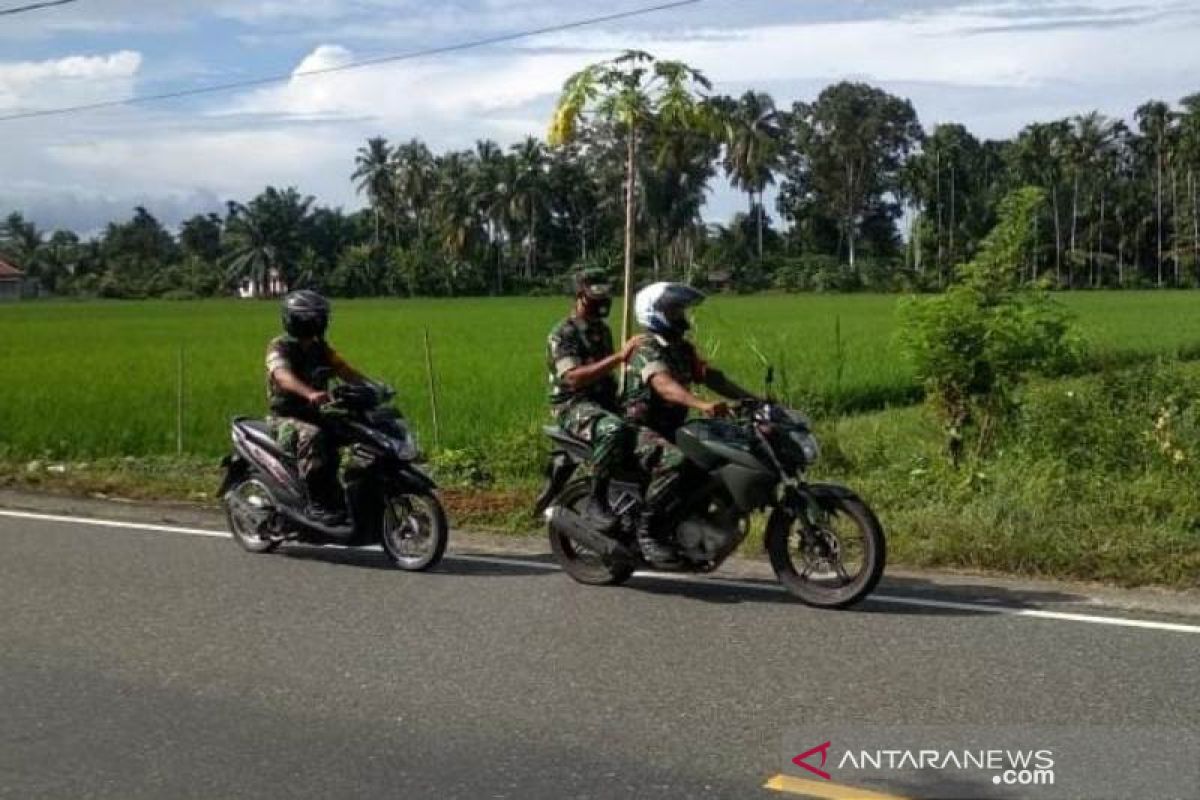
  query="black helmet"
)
[
  {"x": 594, "y": 286},
  {"x": 305, "y": 314}
]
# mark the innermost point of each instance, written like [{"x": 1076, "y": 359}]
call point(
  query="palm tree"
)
[
  {"x": 675, "y": 185},
  {"x": 266, "y": 237},
  {"x": 252, "y": 254},
  {"x": 1038, "y": 156},
  {"x": 457, "y": 218},
  {"x": 1189, "y": 124},
  {"x": 488, "y": 194},
  {"x": 1090, "y": 138},
  {"x": 415, "y": 181},
  {"x": 1154, "y": 122},
  {"x": 753, "y": 143},
  {"x": 529, "y": 193},
  {"x": 373, "y": 173}
]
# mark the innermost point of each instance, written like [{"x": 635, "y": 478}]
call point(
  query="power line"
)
[
  {"x": 370, "y": 62},
  {"x": 34, "y": 6}
]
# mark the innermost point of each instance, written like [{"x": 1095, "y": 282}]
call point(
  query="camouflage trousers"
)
[
  {"x": 661, "y": 462},
  {"x": 608, "y": 434},
  {"x": 315, "y": 451}
]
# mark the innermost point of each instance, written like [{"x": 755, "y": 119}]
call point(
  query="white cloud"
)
[
  {"x": 426, "y": 94},
  {"x": 67, "y": 81}
]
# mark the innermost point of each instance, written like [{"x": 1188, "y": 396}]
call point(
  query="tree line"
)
[{"x": 865, "y": 197}]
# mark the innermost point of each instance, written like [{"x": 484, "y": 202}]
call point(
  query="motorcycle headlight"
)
[
  {"x": 405, "y": 447},
  {"x": 807, "y": 444}
]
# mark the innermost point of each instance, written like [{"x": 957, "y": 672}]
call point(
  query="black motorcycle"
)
[
  {"x": 825, "y": 544},
  {"x": 389, "y": 501}
]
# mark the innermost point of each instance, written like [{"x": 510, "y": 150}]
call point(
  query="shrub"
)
[{"x": 974, "y": 345}]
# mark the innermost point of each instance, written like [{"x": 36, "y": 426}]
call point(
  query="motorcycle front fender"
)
[{"x": 410, "y": 479}]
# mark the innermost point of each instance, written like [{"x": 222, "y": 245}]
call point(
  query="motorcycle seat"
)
[{"x": 571, "y": 444}]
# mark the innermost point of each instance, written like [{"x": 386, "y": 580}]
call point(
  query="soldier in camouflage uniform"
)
[
  {"x": 658, "y": 397},
  {"x": 299, "y": 366},
  {"x": 583, "y": 391}
]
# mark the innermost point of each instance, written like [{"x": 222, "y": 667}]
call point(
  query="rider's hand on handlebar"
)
[
  {"x": 320, "y": 399},
  {"x": 717, "y": 409}
]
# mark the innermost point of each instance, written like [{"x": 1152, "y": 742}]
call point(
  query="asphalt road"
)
[{"x": 158, "y": 664}]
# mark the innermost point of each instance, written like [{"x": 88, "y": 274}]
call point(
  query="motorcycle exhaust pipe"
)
[{"x": 576, "y": 528}]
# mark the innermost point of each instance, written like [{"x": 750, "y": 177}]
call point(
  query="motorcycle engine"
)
[{"x": 702, "y": 540}]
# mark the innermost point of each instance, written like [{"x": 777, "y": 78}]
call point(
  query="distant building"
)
[
  {"x": 720, "y": 280},
  {"x": 248, "y": 289},
  {"x": 14, "y": 285}
]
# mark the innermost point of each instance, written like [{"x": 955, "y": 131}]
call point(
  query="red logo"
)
[{"x": 823, "y": 749}]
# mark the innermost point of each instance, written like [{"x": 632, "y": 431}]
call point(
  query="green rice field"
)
[{"x": 89, "y": 379}]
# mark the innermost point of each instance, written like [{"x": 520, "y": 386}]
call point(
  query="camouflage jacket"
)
[
  {"x": 304, "y": 362},
  {"x": 641, "y": 403},
  {"x": 572, "y": 343}
]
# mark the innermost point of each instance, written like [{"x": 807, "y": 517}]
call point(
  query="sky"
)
[{"x": 993, "y": 65}]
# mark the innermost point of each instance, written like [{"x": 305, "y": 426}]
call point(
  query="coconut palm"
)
[
  {"x": 415, "y": 181},
  {"x": 1155, "y": 123},
  {"x": 753, "y": 145},
  {"x": 529, "y": 194},
  {"x": 375, "y": 179},
  {"x": 457, "y": 220},
  {"x": 265, "y": 237}
]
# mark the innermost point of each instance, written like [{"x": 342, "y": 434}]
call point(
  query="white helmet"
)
[{"x": 652, "y": 304}]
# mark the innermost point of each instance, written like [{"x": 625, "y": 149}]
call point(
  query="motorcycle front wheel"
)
[
  {"x": 581, "y": 563},
  {"x": 837, "y": 561},
  {"x": 415, "y": 531}
]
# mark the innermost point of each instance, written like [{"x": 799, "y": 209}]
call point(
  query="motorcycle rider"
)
[
  {"x": 658, "y": 396},
  {"x": 583, "y": 390},
  {"x": 299, "y": 365}
]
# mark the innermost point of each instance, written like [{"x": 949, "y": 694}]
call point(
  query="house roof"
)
[{"x": 7, "y": 270}]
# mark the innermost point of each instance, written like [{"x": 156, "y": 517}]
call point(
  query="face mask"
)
[{"x": 598, "y": 308}]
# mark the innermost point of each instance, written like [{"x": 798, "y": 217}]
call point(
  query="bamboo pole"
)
[
  {"x": 627, "y": 300},
  {"x": 433, "y": 403},
  {"x": 179, "y": 382}
]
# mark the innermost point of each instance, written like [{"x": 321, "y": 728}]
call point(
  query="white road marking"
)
[
  {"x": 112, "y": 523},
  {"x": 922, "y": 602}
]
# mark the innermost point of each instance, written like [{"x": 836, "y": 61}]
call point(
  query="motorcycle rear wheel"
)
[
  {"x": 243, "y": 502},
  {"x": 581, "y": 563}
]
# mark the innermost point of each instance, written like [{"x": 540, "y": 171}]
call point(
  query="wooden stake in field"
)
[
  {"x": 433, "y": 403},
  {"x": 179, "y": 405}
]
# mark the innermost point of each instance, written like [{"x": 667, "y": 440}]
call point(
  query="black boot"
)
[
  {"x": 657, "y": 552},
  {"x": 322, "y": 508},
  {"x": 323, "y": 515},
  {"x": 597, "y": 510}
]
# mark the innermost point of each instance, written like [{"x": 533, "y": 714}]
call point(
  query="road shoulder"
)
[{"x": 975, "y": 588}]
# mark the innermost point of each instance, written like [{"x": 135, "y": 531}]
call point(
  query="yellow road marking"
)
[{"x": 824, "y": 790}]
